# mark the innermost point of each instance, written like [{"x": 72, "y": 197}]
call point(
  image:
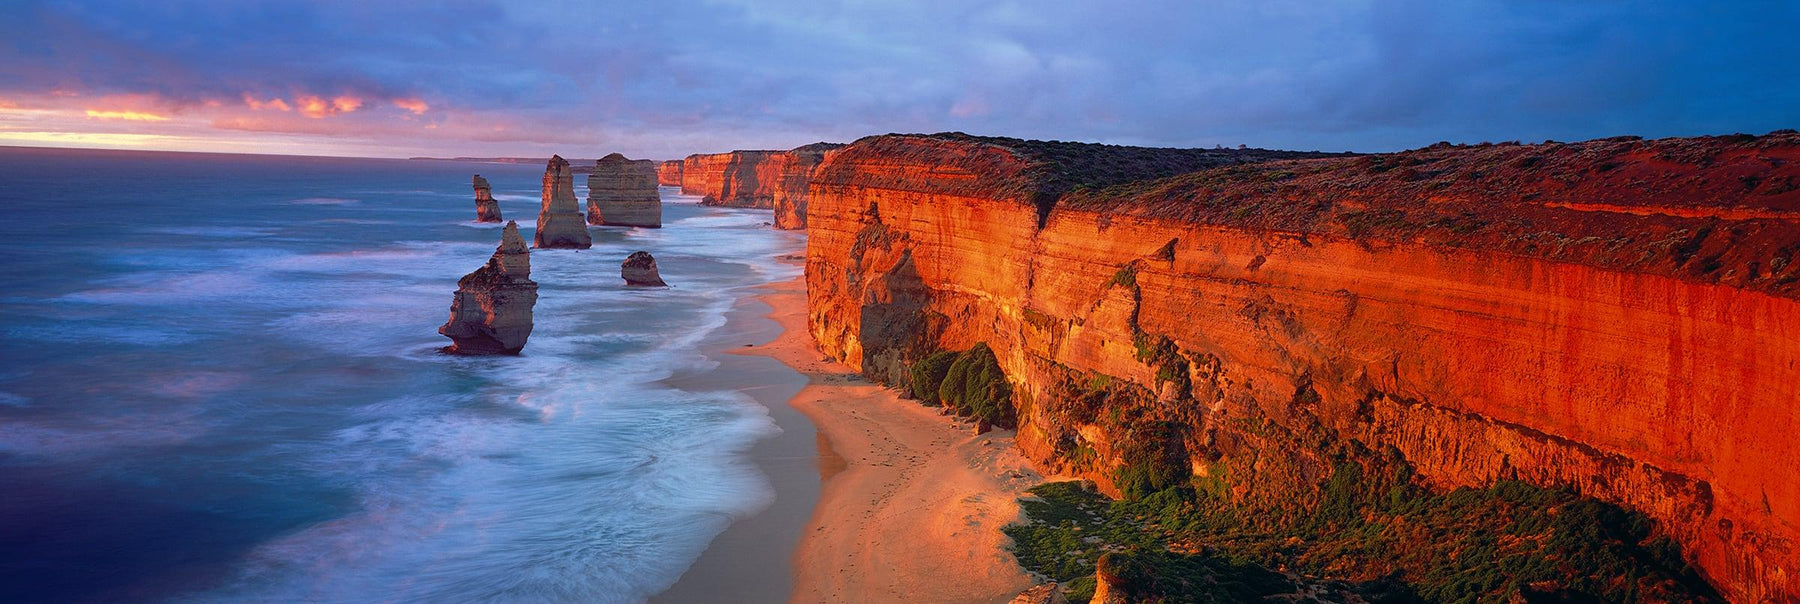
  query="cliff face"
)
[
  {"x": 777, "y": 180},
  {"x": 492, "y": 310},
  {"x": 668, "y": 173},
  {"x": 560, "y": 223},
  {"x": 1618, "y": 316},
  {"x": 622, "y": 192}
]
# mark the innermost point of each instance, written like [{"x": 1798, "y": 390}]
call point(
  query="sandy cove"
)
[{"x": 913, "y": 514}]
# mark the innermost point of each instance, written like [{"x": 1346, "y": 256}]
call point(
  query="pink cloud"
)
[
  {"x": 273, "y": 103},
  {"x": 346, "y": 103},
  {"x": 314, "y": 106},
  {"x": 417, "y": 106}
]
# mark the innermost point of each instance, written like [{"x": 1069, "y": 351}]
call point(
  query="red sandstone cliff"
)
[
  {"x": 1620, "y": 316},
  {"x": 777, "y": 180},
  {"x": 668, "y": 173}
]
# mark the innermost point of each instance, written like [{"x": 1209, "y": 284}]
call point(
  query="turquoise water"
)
[{"x": 221, "y": 382}]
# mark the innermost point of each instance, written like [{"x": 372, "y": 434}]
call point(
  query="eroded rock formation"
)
[
  {"x": 486, "y": 209},
  {"x": 560, "y": 222},
  {"x": 777, "y": 180},
  {"x": 640, "y": 269},
  {"x": 1044, "y": 593},
  {"x": 1617, "y": 316},
  {"x": 622, "y": 192},
  {"x": 668, "y": 173},
  {"x": 492, "y": 310}
]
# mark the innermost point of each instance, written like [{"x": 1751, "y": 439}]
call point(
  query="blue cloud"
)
[{"x": 664, "y": 79}]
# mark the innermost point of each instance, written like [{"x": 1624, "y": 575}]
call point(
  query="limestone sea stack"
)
[
  {"x": 560, "y": 223},
  {"x": 492, "y": 310},
  {"x": 622, "y": 192},
  {"x": 640, "y": 269},
  {"x": 486, "y": 209}
]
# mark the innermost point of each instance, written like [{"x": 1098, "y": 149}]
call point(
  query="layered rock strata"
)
[
  {"x": 560, "y": 222},
  {"x": 777, "y": 180},
  {"x": 1618, "y": 316},
  {"x": 640, "y": 269},
  {"x": 486, "y": 209},
  {"x": 492, "y": 310},
  {"x": 622, "y": 192},
  {"x": 668, "y": 173}
]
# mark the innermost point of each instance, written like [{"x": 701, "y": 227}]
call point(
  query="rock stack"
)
[
  {"x": 560, "y": 223},
  {"x": 486, "y": 209},
  {"x": 492, "y": 310},
  {"x": 640, "y": 269},
  {"x": 622, "y": 192}
]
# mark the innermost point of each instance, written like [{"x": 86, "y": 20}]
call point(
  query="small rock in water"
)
[{"x": 640, "y": 269}]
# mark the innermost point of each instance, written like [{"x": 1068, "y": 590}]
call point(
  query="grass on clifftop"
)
[{"x": 1379, "y": 539}]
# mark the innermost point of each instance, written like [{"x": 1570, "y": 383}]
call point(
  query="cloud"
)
[
  {"x": 135, "y": 116},
  {"x": 274, "y": 103},
  {"x": 669, "y": 79},
  {"x": 416, "y": 106}
]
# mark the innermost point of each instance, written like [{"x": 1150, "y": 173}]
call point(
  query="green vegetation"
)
[
  {"x": 969, "y": 382},
  {"x": 928, "y": 374},
  {"x": 1126, "y": 277},
  {"x": 1160, "y": 352},
  {"x": 1372, "y": 533}
]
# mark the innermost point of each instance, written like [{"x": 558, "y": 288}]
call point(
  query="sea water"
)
[{"x": 220, "y": 380}]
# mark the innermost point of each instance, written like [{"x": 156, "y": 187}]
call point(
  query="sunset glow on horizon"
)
[{"x": 486, "y": 79}]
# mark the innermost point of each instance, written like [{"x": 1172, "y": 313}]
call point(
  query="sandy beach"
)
[
  {"x": 914, "y": 513},
  {"x": 877, "y": 498}
]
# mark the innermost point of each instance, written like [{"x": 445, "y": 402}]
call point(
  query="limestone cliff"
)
[
  {"x": 560, "y": 222},
  {"x": 668, "y": 173},
  {"x": 622, "y": 192},
  {"x": 777, "y": 180},
  {"x": 1619, "y": 316},
  {"x": 492, "y": 310},
  {"x": 486, "y": 208}
]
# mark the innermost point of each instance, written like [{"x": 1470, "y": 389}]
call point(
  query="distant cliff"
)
[
  {"x": 668, "y": 173},
  {"x": 777, "y": 180},
  {"x": 1618, "y": 316}
]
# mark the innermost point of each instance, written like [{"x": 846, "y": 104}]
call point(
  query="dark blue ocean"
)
[{"x": 220, "y": 382}]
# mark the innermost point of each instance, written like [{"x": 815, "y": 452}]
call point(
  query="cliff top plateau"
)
[{"x": 1715, "y": 209}]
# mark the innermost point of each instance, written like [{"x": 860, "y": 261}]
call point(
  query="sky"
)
[{"x": 668, "y": 78}]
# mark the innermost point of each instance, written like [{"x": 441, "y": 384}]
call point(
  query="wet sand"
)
[
  {"x": 749, "y": 562},
  {"x": 909, "y": 503}
]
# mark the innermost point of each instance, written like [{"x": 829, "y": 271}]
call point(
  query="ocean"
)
[{"x": 221, "y": 382}]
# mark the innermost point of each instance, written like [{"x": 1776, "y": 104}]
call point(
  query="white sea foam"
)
[{"x": 303, "y": 370}]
